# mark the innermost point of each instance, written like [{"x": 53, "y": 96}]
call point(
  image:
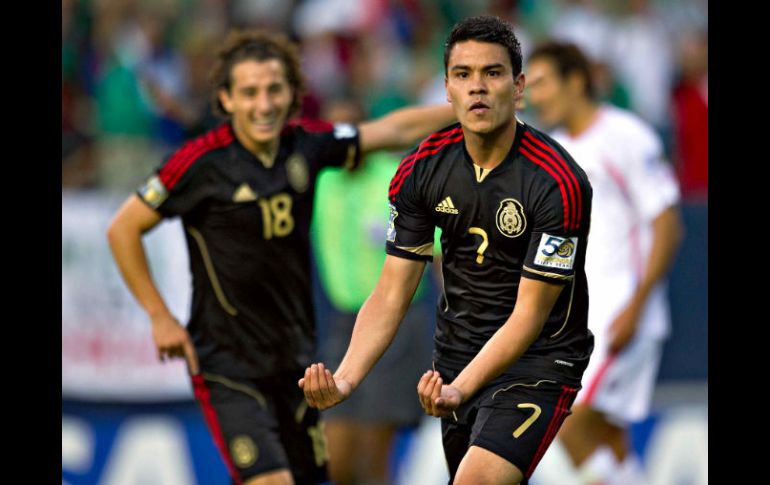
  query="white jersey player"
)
[{"x": 635, "y": 232}]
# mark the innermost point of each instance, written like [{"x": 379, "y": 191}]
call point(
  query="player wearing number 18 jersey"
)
[{"x": 244, "y": 192}]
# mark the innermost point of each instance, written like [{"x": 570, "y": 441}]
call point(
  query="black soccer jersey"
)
[
  {"x": 247, "y": 230},
  {"x": 527, "y": 217}
]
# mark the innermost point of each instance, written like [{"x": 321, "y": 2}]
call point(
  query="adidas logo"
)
[
  {"x": 244, "y": 194},
  {"x": 447, "y": 206}
]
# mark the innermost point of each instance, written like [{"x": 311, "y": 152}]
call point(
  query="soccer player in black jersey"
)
[
  {"x": 244, "y": 192},
  {"x": 514, "y": 208}
]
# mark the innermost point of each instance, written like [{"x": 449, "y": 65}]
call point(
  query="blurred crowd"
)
[{"x": 134, "y": 72}]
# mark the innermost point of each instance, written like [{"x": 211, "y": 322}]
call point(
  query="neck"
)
[
  {"x": 488, "y": 150},
  {"x": 264, "y": 151},
  {"x": 583, "y": 116}
]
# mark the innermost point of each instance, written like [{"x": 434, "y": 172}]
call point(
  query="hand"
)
[
  {"x": 172, "y": 341},
  {"x": 622, "y": 330},
  {"x": 321, "y": 389},
  {"x": 436, "y": 398}
]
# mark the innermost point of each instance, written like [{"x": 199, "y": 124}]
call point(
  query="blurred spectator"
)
[
  {"x": 124, "y": 119},
  {"x": 642, "y": 56},
  {"x": 691, "y": 122},
  {"x": 584, "y": 24},
  {"x": 78, "y": 168}
]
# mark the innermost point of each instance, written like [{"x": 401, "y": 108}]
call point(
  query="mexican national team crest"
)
[
  {"x": 391, "y": 236},
  {"x": 296, "y": 171},
  {"x": 510, "y": 218},
  {"x": 244, "y": 451}
]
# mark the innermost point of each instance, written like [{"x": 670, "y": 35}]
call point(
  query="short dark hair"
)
[
  {"x": 485, "y": 28},
  {"x": 568, "y": 59},
  {"x": 259, "y": 45}
]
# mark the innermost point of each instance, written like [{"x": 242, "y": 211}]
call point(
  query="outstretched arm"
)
[
  {"x": 404, "y": 128},
  {"x": 125, "y": 233},
  {"x": 375, "y": 327},
  {"x": 533, "y": 305}
]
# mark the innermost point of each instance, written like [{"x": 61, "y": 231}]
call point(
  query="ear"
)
[
  {"x": 446, "y": 85},
  {"x": 576, "y": 83},
  {"x": 518, "y": 88},
  {"x": 226, "y": 100}
]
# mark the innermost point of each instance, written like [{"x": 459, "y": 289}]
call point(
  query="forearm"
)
[
  {"x": 503, "y": 349},
  {"x": 376, "y": 325},
  {"x": 667, "y": 237},
  {"x": 534, "y": 302},
  {"x": 415, "y": 123},
  {"x": 405, "y": 127},
  {"x": 379, "y": 317},
  {"x": 131, "y": 259}
]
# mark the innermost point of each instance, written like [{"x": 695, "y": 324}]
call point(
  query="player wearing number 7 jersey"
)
[
  {"x": 244, "y": 192},
  {"x": 511, "y": 341}
]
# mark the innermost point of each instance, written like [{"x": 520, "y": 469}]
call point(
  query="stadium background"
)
[{"x": 134, "y": 86}]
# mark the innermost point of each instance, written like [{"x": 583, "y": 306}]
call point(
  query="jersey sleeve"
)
[
  {"x": 411, "y": 229},
  {"x": 332, "y": 145},
  {"x": 652, "y": 185},
  {"x": 558, "y": 235},
  {"x": 175, "y": 189}
]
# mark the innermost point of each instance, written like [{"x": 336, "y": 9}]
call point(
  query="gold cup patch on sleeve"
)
[{"x": 154, "y": 192}]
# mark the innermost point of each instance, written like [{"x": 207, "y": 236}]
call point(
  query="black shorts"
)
[
  {"x": 263, "y": 425},
  {"x": 515, "y": 418}
]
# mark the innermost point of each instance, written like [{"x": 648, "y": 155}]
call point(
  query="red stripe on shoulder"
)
[
  {"x": 430, "y": 146},
  {"x": 558, "y": 158},
  {"x": 565, "y": 204},
  {"x": 544, "y": 157},
  {"x": 431, "y": 141},
  {"x": 311, "y": 126},
  {"x": 185, "y": 156}
]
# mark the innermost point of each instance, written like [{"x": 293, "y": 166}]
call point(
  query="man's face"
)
[
  {"x": 547, "y": 93},
  {"x": 481, "y": 87},
  {"x": 259, "y": 100}
]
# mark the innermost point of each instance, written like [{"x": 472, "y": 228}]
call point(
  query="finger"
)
[
  {"x": 422, "y": 386},
  {"x": 436, "y": 396},
  {"x": 306, "y": 389},
  {"x": 428, "y": 396},
  {"x": 175, "y": 351},
  {"x": 435, "y": 393},
  {"x": 331, "y": 383},
  {"x": 301, "y": 383},
  {"x": 191, "y": 357},
  {"x": 323, "y": 387},
  {"x": 315, "y": 386}
]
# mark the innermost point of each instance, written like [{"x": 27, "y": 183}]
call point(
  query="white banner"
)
[{"x": 107, "y": 348}]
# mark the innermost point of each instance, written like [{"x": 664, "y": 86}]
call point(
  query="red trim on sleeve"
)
[
  {"x": 184, "y": 158},
  {"x": 559, "y": 180},
  {"x": 432, "y": 145},
  {"x": 311, "y": 126},
  {"x": 571, "y": 175},
  {"x": 571, "y": 189}
]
